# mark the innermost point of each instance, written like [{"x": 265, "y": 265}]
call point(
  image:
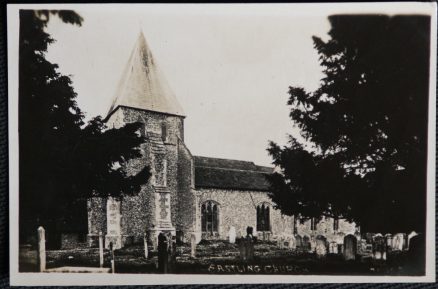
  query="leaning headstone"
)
[
  {"x": 193, "y": 246},
  {"x": 410, "y": 236},
  {"x": 333, "y": 248},
  {"x": 232, "y": 235},
  {"x": 350, "y": 247},
  {"x": 163, "y": 258},
  {"x": 41, "y": 249},
  {"x": 379, "y": 247}
]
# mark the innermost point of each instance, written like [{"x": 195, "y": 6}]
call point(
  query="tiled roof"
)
[
  {"x": 230, "y": 174},
  {"x": 143, "y": 86}
]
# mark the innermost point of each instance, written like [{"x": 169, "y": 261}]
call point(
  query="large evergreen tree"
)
[
  {"x": 366, "y": 124},
  {"x": 63, "y": 160}
]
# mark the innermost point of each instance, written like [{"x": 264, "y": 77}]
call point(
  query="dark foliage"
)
[
  {"x": 368, "y": 124},
  {"x": 63, "y": 161}
]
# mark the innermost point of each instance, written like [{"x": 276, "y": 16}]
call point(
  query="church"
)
[{"x": 186, "y": 194}]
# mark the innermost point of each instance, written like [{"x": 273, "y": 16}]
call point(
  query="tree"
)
[
  {"x": 63, "y": 160},
  {"x": 367, "y": 125}
]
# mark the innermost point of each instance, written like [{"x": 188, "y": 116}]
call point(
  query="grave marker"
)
[
  {"x": 42, "y": 249},
  {"x": 100, "y": 249},
  {"x": 232, "y": 235},
  {"x": 350, "y": 247},
  {"x": 193, "y": 246}
]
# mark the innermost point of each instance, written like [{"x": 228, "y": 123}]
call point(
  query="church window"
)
[
  {"x": 209, "y": 217},
  {"x": 263, "y": 222},
  {"x": 164, "y": 132}
]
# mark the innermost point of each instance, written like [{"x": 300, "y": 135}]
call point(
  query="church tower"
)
[{"x": 144, "y": 96}]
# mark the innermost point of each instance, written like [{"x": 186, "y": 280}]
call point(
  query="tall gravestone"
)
[
  {"x": 350, "y": 247},
  {"x": 41, "y": 249},
  {"x": 193, "y": 246},
  {"x": 232, "y": 235},
  {"x": 163, "y": 253}
]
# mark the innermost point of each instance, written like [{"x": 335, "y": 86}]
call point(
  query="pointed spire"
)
[{"x": 143, "y": 86}]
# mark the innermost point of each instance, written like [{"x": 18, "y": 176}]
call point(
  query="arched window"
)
[
  {"x": 209, "y": 217},
  {"x": 263, "y": 222},
  {"x": 164, "y": 131}
]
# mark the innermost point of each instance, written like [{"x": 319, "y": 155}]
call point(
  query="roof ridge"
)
[{"x": 229, "y": 169}]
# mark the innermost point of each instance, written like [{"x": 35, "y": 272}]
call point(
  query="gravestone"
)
[
  {"x": 113, "y": 264},
  {"x": 379, "y": 247},
  {"x": 398, "y": 242},
  {"x": 333, "y": 248},
  {"x": 321, "y": 246},
  {"x": 299, "y": 241},
  {"x": 350, "y": 247},
  {"x": 280, "y": 242},
  {"x": 388, "y": 238},
  {"x": 410, "y": 236},
  {"x": 232, "y": 235},
  {"x": 417, "y": 253},
  {"x": 246, "y": 246},
  {"x": 362, "y": 247},
  {"x": 41, "y": 249},
  {"x": 163, "y": 253},
  {"x": 172, "y": 252},
  {"x": 312, "y": 244},
  {"x": 291, "y": 242},
  {"x": 145, "y": 244},
  {"x": 100, "y": 250},
  {"x": 193, "y": 246},
  {"x": 306, "y": 243}
]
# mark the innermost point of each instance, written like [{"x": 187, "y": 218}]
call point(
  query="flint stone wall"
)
[
  {"x": 237, "y": 208},
  {"x": 325, "y": 228}
]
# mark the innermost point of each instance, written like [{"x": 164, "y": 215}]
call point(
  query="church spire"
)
[{"x": 142, "y": 85}]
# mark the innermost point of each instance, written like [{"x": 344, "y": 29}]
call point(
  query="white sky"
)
[{"x": 229, "y": 68}]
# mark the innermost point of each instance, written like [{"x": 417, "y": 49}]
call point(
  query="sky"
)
[{"x": 229, "y": 68}]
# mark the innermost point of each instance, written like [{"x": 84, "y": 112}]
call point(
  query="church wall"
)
[
  {"x": 186, "y": 205},
  {"x": 96, "y": 219},
  {"x": 238, "y": 208}
]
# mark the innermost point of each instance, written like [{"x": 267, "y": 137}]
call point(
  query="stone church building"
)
[{"x": 186, "y": 194}]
